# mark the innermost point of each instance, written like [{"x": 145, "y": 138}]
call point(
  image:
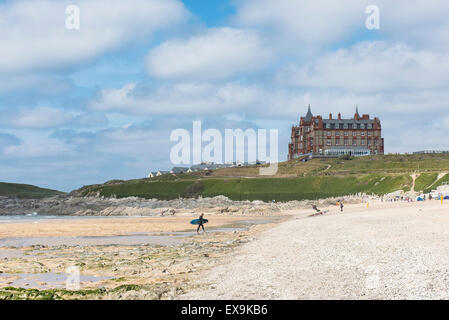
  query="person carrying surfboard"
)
[{"x": 201, "y": 223}]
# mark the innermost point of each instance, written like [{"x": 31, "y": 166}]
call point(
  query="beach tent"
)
[
  {"x": 446, "y": 198},
  {"x": 420, "y": 199}
]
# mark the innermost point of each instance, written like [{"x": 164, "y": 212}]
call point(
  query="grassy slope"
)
[
  {"x": 425, "y": 180},
  {"x": 267, "y": 189},
  {"x": 27, "y": 191},
  {"x": 444, "y": 179},
  {"x": 317, "y": 178}
]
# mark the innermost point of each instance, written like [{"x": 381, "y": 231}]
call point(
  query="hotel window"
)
[
  {"x": 337, "y": 142},
  {"x": 376, "y": 142},
  {"x": 346, "y": 142},
  {"x": 349, "y": 125},
  {"x": 369, "y": 125},
  {"x": 329, "y": 142},
  {"x": 340, "y": 125},
  {"x": 346, "y": 133},
  {"x": 337, "y": 134},
  {"x": 329, "y": 133},
  {"x": 369, "y": 142},
  {"x": 363, "y": 142},
  {"x": 354, "y": 142},
  {"x": 363, "y": 133},
  {"x": 358, "y": 125}
]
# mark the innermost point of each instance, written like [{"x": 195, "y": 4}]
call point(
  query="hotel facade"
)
[{"x": 358, "y": 136}]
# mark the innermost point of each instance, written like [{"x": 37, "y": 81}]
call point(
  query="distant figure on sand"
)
[
  {"x": 201, "y": 224},
  {"x": 341, "y": 206},
  {"x": 316, "y": 209}
]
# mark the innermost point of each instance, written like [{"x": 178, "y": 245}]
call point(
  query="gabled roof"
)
[
  {"x": 179, "y": 169},
  {"x": 309, "y": 115},
  {"x": 357, "y": 111}
]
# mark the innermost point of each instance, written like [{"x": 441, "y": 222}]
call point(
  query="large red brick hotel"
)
[{"x": 358, "y": 136}]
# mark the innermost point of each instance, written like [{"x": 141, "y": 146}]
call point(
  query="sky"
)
[{"x": 84, "y": 106}]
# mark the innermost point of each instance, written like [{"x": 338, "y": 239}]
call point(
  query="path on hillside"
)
[
  {"x": 414, "y": 177},
  {"x": 440, "y": 175},
  {"x": 360, "y": 254}
]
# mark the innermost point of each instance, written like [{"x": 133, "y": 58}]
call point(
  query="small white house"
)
[{"x": 152, "y": 174}]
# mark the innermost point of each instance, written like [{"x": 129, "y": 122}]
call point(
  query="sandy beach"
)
[
  {"x": 118, "y": 257},
  {"x": 110, "y": 226},
  {"x": 380, "y": 250},
  {"x": 386, "y": 251}
]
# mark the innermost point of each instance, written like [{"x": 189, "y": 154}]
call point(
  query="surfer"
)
[{"x": 201, "y": 223}]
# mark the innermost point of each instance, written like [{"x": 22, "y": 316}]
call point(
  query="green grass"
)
[
  {"x": 266, "y": 189},
  {"x": 438, "y": 183},
  {"x": 295, "y": 180},
  {"x": 425, "y": 180},
  {"x": 25, "y": 191},
  {"x": 389, "y": 164}
]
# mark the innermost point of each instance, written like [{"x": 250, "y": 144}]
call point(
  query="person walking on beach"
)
[
  {"x": 341, "y": 206},
  {"x": 201, "y": 223}
]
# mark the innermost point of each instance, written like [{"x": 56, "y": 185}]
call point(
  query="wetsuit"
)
[{"x": 200, "y": 224}]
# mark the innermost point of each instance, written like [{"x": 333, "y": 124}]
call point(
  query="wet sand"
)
[
  {"x": 118, "y": 258},
  {"x": 111, "y": 226}
]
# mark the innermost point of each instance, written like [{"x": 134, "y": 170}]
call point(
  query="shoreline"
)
[
  {"x": 120, "y": 271},
  {"x": 179, "y": 269}
]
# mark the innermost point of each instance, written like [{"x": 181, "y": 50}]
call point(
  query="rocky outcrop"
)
[{"x": 133, "y": 206}]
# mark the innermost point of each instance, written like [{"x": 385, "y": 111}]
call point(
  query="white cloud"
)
[
  {"x": 34, "y": 36},
  {"x": 199, "y": 99},
  {"x": 216, "y": 54},
  {"x": 46, "y": 117},
  {"x": 36, "y": 118},
  {"x": 372, "y": 67},
  {"x": 310, "y": 22},
  {"x": 302, "y": 25},
  {"x": 44, "y": 148}
]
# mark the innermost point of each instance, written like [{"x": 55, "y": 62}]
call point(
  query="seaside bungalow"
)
[
  {"x": 160, "y": 173},
  {"x": 199, "y": 167},
  {"x": 152, "y": 174},
  {"x": 178, "y": 170}
]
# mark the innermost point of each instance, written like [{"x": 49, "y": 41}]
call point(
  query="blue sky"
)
[{"x": 85, "y": 106}]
